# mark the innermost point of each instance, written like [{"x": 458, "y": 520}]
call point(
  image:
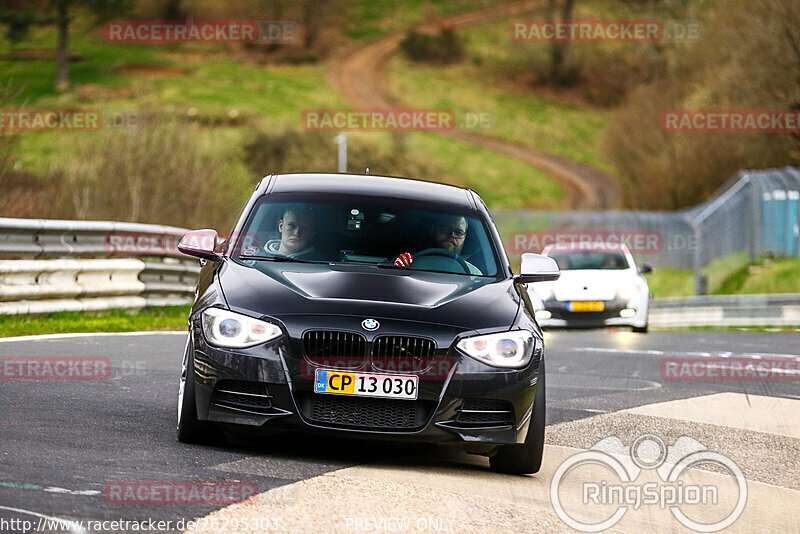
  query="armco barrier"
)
[
  {"x": 726, "y": 310},
  {"x": 55, "y": 265},
  {"x": 48, "y": 266}
]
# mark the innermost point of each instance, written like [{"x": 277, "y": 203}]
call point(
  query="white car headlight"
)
[
  {"x": 627, "y": 292},
  {"x": 507, "y": 349},
  {"x": 225, "y": 328}
]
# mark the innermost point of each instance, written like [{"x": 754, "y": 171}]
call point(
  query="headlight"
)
[
  {"x": 507, "y": 349},
  {"x": 627, "y": 292},
  {"x": 225, "y": 328}
]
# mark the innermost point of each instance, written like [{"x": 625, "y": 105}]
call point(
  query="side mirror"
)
[
  {"x": 645, "y": 268},
  {"x": 200, "y": 244},
  {"x": 538, "y": 268}
]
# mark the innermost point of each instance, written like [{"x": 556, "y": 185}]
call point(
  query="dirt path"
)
[{"x": 360, "y": 77}]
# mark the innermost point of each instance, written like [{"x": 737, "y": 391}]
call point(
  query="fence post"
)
[{"x": 341, "y": 140}]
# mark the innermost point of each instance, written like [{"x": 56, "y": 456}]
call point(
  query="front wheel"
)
[
  {"x": 525, "y": 458},
  {"x": 190, "y": 429},
  {"x": 640, "y": 329}
]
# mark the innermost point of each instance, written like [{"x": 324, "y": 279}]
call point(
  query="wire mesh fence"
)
[{"x": 755, "y": 213}]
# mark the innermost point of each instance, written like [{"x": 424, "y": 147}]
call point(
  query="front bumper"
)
[
  {"x": 562, "y": 317},
  {"x": 270, "y": 387}
]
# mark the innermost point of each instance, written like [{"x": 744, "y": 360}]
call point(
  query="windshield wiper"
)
[
  {"x": 278, "y": 258},
  {"x": 393, "y": 266},
  {"x": 390, "y": 266}
]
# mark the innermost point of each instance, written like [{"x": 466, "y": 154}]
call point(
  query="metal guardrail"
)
[
  {"x": 726, "y": 310},
  {"x": 754, "y": 213},
  {"x": 55, "y": 265},
  {"x": 48, "y": 266}
]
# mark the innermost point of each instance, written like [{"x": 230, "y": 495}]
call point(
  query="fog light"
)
[
  {"x": 627, "y": 312},
  {"x": 543, "y": 314}
]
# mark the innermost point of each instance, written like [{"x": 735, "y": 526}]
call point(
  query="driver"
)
[
  {"x": 297, "y": 227},
  {"x": 448, "y": 233}
]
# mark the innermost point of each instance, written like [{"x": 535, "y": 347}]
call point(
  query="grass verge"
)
[
  {"x": 161, "y": 318},
  {"x": 669, "y": 282},
  {"x": 731, "y": 275}
]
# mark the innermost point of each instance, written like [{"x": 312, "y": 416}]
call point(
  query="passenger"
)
[{"x": 297, "y": 227}]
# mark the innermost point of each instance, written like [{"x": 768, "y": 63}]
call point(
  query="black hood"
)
[{"x": 280, "y": 288}]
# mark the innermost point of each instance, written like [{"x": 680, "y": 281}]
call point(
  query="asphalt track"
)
[{"x": 63, "y": 441}]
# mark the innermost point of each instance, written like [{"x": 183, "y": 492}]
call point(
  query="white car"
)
[{"x": 599, "y": 286}]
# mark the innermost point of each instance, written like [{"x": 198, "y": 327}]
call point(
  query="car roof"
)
[
  {"x": 360, "y": 184},
  {"x": 586, "y": 247}
]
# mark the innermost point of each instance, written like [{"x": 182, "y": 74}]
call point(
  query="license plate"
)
[
  {"x": 366, "y": 384},
  {"x": 587, "y": 306}
]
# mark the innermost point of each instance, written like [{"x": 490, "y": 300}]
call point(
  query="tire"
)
[
  {"x": 190, "y": 429},
  {"x": 640, "y": 329},
  {"x": 526, "y": 458}
]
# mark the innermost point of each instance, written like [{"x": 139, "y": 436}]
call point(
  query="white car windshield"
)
[{"x": 590, "y": 260}]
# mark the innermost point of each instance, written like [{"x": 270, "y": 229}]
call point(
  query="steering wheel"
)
[{"x": 442, "y": 253}]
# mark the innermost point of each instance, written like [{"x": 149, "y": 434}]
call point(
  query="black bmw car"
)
[{"x": 366, "y": 306}]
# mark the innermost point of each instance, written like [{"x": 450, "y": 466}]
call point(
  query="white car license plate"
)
[{"x": 366, "y": 384}]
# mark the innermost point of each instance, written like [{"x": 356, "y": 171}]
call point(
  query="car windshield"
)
[
  {"x": 590, "y": 260},
  {"x": 350, "y": 229}
]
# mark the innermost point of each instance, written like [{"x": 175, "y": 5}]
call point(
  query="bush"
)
[
  {"x": 446, "y": 47},
  {"x": 165, "y": 173},
  {"x": 726, "y": 70},
  {"x": 8, "y": 140},
  {"x": 295, "y": 151}
]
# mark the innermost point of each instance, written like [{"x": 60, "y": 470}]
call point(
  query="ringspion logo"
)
[{"x": 615, "y": 480}]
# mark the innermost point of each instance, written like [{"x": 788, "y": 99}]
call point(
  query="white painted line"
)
[
  {"x": 47, "y": 337},
  {"x": 53, "y": 489},
  {"x": 72, "y": 526},
  {"x": 725, "y": 354},
  {"x": 651, "y": 385}
]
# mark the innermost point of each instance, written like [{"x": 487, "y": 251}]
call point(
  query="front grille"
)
[
  {"x": 334, "y": 349},
  {"x": 366, "y": 413},
  {"x": 402, "y": 354},
  {"x": 242, "y": 396},
  {"x": 486, "y": 412}
]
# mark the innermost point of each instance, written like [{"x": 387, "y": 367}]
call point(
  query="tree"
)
[
  {"x": 20, "y": 15},
  {"x": 558, "y": 49},
  {"x": 732, "y": 67}
]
